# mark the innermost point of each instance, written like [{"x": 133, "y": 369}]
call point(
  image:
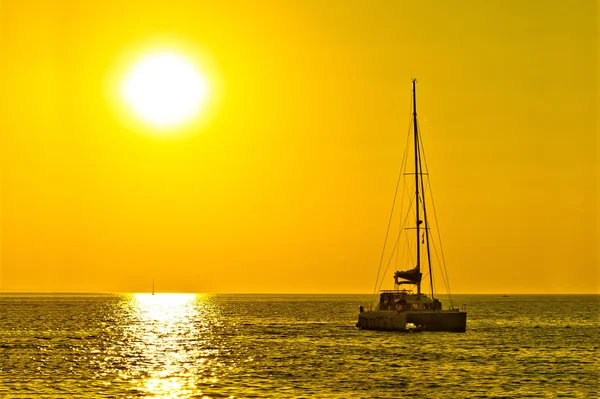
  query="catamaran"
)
[{"x": 402, "y": 309}]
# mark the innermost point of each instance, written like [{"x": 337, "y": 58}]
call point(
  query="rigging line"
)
[
  {"x": 437, "y": 225},
  {"x": 410, "y": 253},
  {"x": 396, "y": 246},
  {"x": 439, "y": 264},
  {"x": 397, "y": 241},
  {"x": 405, "y": 261},
  {"x": 402, "y": 197},
  {"x": 404, "y": 191},
  {"x": 437, "y": 257},
  {"x": 407, "y": 253},
  {"x": 388, "y": 227},
  {"x": 399, "y": 235},
  {"x": 443, "y": 272},
  {"x": 388, "y": 265},
  {"x": 397, "y": 252},
  {"x": 402, "y": 166}
]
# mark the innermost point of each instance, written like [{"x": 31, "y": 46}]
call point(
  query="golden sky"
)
[{"x": 287, "y": 186}]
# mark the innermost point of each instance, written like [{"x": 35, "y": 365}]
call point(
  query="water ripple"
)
[{"x": 265, "y": 346}]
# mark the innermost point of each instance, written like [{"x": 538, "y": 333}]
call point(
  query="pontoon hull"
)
[{"x": 389, "y": 320}]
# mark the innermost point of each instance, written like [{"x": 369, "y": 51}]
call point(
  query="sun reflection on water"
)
[
  {"x": 171, "y": 339},
  {"x": 166, "y": 307}
]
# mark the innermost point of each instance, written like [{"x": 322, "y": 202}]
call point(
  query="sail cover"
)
[{"x": 411, "y": 275}]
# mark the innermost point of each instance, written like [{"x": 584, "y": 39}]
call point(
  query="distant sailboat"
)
[{"x": 152, "y": 286}]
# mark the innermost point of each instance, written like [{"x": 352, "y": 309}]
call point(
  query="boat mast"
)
[{"x": 416, "y": 130}]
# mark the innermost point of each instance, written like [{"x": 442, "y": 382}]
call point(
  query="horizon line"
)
[{"x": 267, "y": 293}]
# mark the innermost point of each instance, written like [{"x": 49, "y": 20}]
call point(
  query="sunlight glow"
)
[{"x": 165, "y": 89}]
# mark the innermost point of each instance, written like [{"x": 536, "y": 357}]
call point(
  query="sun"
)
[{"x": 165, "y": 89}]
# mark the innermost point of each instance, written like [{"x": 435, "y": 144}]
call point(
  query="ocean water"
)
[{"x": 291, "y": 346}]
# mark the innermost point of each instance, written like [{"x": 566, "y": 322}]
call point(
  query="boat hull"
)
[{"x": 429, "y": 320}]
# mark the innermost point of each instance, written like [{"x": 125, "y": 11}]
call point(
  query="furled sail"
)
[{"x": 413, "y": 276}]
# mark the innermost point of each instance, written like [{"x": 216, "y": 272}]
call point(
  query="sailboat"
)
[{"x": 401, "y": 308}]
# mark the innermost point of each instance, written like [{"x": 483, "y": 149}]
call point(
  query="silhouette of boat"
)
[{"x": 401, "y": 309}]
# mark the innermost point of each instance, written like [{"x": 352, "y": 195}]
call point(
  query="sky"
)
[{"x": 287, "y": 183}]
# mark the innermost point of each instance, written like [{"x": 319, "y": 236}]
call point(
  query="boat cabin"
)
[{"x": 402, "y": 300}]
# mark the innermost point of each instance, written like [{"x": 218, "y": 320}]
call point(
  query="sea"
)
[{"x": 291, "y": 346}]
